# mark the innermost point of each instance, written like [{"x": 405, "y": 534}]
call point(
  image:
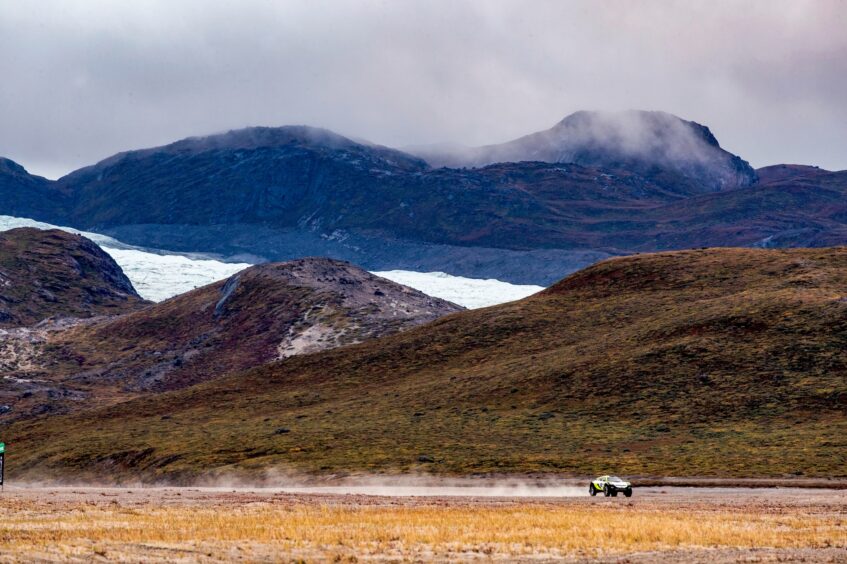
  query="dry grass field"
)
[{"x": 186, "y": 525}]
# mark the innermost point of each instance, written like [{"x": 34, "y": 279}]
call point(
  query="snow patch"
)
[
  {"x": 471, "y": 293},
  {"x": 159, "y": 277}
]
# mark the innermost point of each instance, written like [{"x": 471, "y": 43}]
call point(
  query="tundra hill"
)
[
  {"x": 716, "y": 362},
  {"x": 258, "y": 315},
  {"x": 57, "y": 274},
  {"x": 776, "y": 173}
]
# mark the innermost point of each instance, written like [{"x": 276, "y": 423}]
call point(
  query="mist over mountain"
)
[
  {"x": 528, "y": 212},
  {"x": 638, "y": 141}
]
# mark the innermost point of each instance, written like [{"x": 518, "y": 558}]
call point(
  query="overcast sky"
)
[{"x": 82, "y": 80}]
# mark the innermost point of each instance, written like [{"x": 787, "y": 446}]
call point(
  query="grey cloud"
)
[{"x": 82, "y": 80}]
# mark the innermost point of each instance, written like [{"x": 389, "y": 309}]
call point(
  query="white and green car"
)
[{"x": 610, "y": 486}]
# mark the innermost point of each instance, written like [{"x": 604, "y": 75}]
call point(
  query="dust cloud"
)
[{"x": 273, "y": 481}]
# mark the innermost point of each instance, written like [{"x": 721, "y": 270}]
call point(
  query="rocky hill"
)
[
  {"x": 57, "y": 274},
  {"x": 716, "y": 362},
  {"x": 261, "y": 314}
]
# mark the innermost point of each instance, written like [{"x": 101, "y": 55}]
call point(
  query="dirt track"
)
[{"x": 217, "y": 524}]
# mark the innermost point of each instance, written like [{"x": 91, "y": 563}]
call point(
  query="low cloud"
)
[{"x": 83, "y": 80}]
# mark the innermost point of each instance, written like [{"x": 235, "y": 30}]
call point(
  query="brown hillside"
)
[
  {"x": 781, "y": 172},
  {"x": 718, "y": 362},
  {"x": 258, "y": 315},
  {"x": 58, "y": 274}
]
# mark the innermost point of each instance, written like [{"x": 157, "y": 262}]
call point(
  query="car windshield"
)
[{"x": 614, "y": 479}]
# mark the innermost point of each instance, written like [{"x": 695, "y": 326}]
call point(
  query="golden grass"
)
[{"x": 322, "y": 531}]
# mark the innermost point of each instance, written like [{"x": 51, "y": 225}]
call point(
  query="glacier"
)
[
  {"x": 158, "y": 275},
  {"x": 471, "y": 293}
]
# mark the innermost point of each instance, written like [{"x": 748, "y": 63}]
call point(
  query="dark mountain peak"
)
[
  {"x": 234, "y": 145},
  {"x": 27, "y": 195},
  {"x": 682, "y": 155},
  {"x": 10, "y": 167},
  {"x": 55, "y": 273},
  {"x": 255, "y": 137}
]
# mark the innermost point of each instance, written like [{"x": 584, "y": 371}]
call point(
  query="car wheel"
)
[
  {"x": 606, "y": 491},
  {"x": 591, "y": 490},
  {"x": 628, "y": 492}
]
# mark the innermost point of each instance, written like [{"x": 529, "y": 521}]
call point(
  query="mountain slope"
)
[
  {"x": 723, "y": 362},
  {"x": 801, "y": 211},
  {"x": 252, "y": 175},
  {"x": 26, "y": 195},
  {"x": 54, "y": 273},
  {"x": 293, "y": 178},
  {"x": 262, "y": 313},
  {"x": 681, "y": 155}
]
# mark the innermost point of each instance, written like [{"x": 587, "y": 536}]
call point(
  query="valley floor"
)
[{"x": 669, "y": 524}]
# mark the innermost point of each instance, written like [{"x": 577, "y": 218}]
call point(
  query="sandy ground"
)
[{"x": 351, "y": 523}]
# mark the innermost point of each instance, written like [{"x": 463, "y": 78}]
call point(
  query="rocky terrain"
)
[
  {"x": 57, "y": 274},
  {"x": 721, "y": 362},
  {"x": 261, "y": 314}
]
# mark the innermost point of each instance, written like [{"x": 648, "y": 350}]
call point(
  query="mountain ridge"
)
[{"x": 275, "y": 194}]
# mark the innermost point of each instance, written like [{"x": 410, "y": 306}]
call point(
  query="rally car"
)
[{"x": 610, "y": 486}]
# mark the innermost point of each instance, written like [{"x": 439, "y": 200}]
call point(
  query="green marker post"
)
[{"x": 2, "y": 465}]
